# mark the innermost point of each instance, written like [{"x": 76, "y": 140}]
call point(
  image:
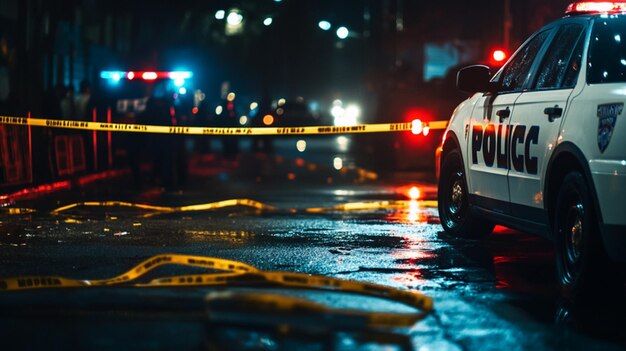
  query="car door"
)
[
  {"x": 488, "y": 131},
  {"x": 537, "y": 120}
]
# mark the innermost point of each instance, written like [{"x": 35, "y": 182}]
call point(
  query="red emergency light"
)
[
  {"x": 596, "y": 7},
  {"x": 146, "y": 75}
]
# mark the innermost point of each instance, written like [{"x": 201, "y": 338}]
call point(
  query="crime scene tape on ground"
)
[
  {"x": 267, "y": 303},
  {"x": 241, "y": 274},
  {"x": 351, "y": 206},
  {"x": 241, "y": 131},
  {"x": 35, "y": 282}
]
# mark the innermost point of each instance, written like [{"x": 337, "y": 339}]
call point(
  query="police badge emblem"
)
[{"x": 607, "y": 116}]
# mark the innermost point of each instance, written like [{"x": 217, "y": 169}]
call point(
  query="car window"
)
[
  {"x": 607, "y": 51},
  {"x": 516, "y": 72},
  {"x": 561, "y": 59},
  {"x": 573, "y": 68}
]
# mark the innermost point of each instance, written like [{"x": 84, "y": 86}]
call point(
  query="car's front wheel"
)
[
  {"x": 582, "y": 264},
  {"x": 454, "y": 210}
]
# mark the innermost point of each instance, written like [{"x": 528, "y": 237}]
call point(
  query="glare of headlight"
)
[
  {"x": 234, "y": 18},
  {"x": 220, "y": 14},
  {"x": 342, "y": 32},
  {"x": 301, "y": 145},
  {"x": 324, "y": 25},
  {"x": 219, "y": 110},
  {"x": 353, "y": 112},
  {"x": 337, "y": 111},
  {"x": 338, "y": 163},
  {"x": 268, "y": 21}
]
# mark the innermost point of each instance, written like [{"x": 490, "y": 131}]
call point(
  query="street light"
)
[
  {"x": 342, "y": 32},
  {"x": 234, "y": 18}
]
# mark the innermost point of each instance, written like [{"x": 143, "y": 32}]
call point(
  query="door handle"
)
[
  {"x": 553, "y": 112},
  {"x": 506, "y": 113}
]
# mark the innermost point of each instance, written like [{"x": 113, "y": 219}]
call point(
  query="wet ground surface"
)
[{"x": 492, "y": 295}]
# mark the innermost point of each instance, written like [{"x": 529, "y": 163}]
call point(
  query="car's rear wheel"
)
[
  {"x": 582, "y": 264},
  {"x": 454, "y": 210}
]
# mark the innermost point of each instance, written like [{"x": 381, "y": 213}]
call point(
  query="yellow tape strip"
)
[
  {"x": 272, "y": 303},
  {"x": 351, "y": 206},
  {"x": 237, "y": 273},
  {"x": 35, "y": 282},
  {"x": 163, "y": 209},
  {"x": 143, "y": 128}
]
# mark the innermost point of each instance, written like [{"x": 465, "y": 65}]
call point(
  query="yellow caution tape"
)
[
  {"x": 241, "y": 274},
  {"x": 351, "y": 206},
  {"x": 34, "y": 282},
  {"x": 188, "y": 130},
  {"x": 276, "y": 303},
  {"x": 163, "y": 209}
]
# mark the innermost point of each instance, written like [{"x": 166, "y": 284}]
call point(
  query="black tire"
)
[
  {"x": 454, "y": 210},
  {"x": 583, "y": 267}
]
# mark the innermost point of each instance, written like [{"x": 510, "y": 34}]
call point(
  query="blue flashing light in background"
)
[
  {"x": 179, "y": 82},
  {"x": 182, "y": 91},
  {"x": 324, "y": 25},
  {"x": 114, "y": 75},
  {"x": 181, "y": 74}
]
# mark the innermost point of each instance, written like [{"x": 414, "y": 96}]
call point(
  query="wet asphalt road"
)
[{"x": 491, "y": 295}]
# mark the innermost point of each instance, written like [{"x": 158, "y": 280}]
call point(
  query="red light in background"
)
[
  {"x": 194, "y": 110},
  {"x": 498, "y": 56},
  {"x": 149, "y": 75},
  {"x": 416, "y": 126}
]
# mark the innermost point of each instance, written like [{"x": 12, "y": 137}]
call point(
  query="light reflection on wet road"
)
[{"x": 498, "y": 294}]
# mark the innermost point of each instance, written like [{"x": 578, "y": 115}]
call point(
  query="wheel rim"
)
[
  {"x": 572, "y": 236},
  {"x": 457, "y": 194}
]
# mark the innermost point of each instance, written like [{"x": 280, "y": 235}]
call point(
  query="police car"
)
[{"x": 541, "y": 146}]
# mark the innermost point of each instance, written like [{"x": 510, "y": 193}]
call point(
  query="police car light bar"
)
[
  {"x": 147, "y": 75},
  {"x": 596, "y": 7}
]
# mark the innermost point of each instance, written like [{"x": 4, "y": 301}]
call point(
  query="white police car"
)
[{"x": 541, "y": 146}]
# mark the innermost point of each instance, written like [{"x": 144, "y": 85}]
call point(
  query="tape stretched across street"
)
[
  {"x": 241, "y": 274},
  {"x": 351, "y": 206},
  {"x": 241, "y": 131}
]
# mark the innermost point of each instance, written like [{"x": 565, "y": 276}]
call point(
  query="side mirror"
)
[{"x": 472, "y": 79}]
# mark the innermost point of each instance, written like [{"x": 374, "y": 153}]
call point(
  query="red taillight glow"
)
[{"x": 596, "y": 7}]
